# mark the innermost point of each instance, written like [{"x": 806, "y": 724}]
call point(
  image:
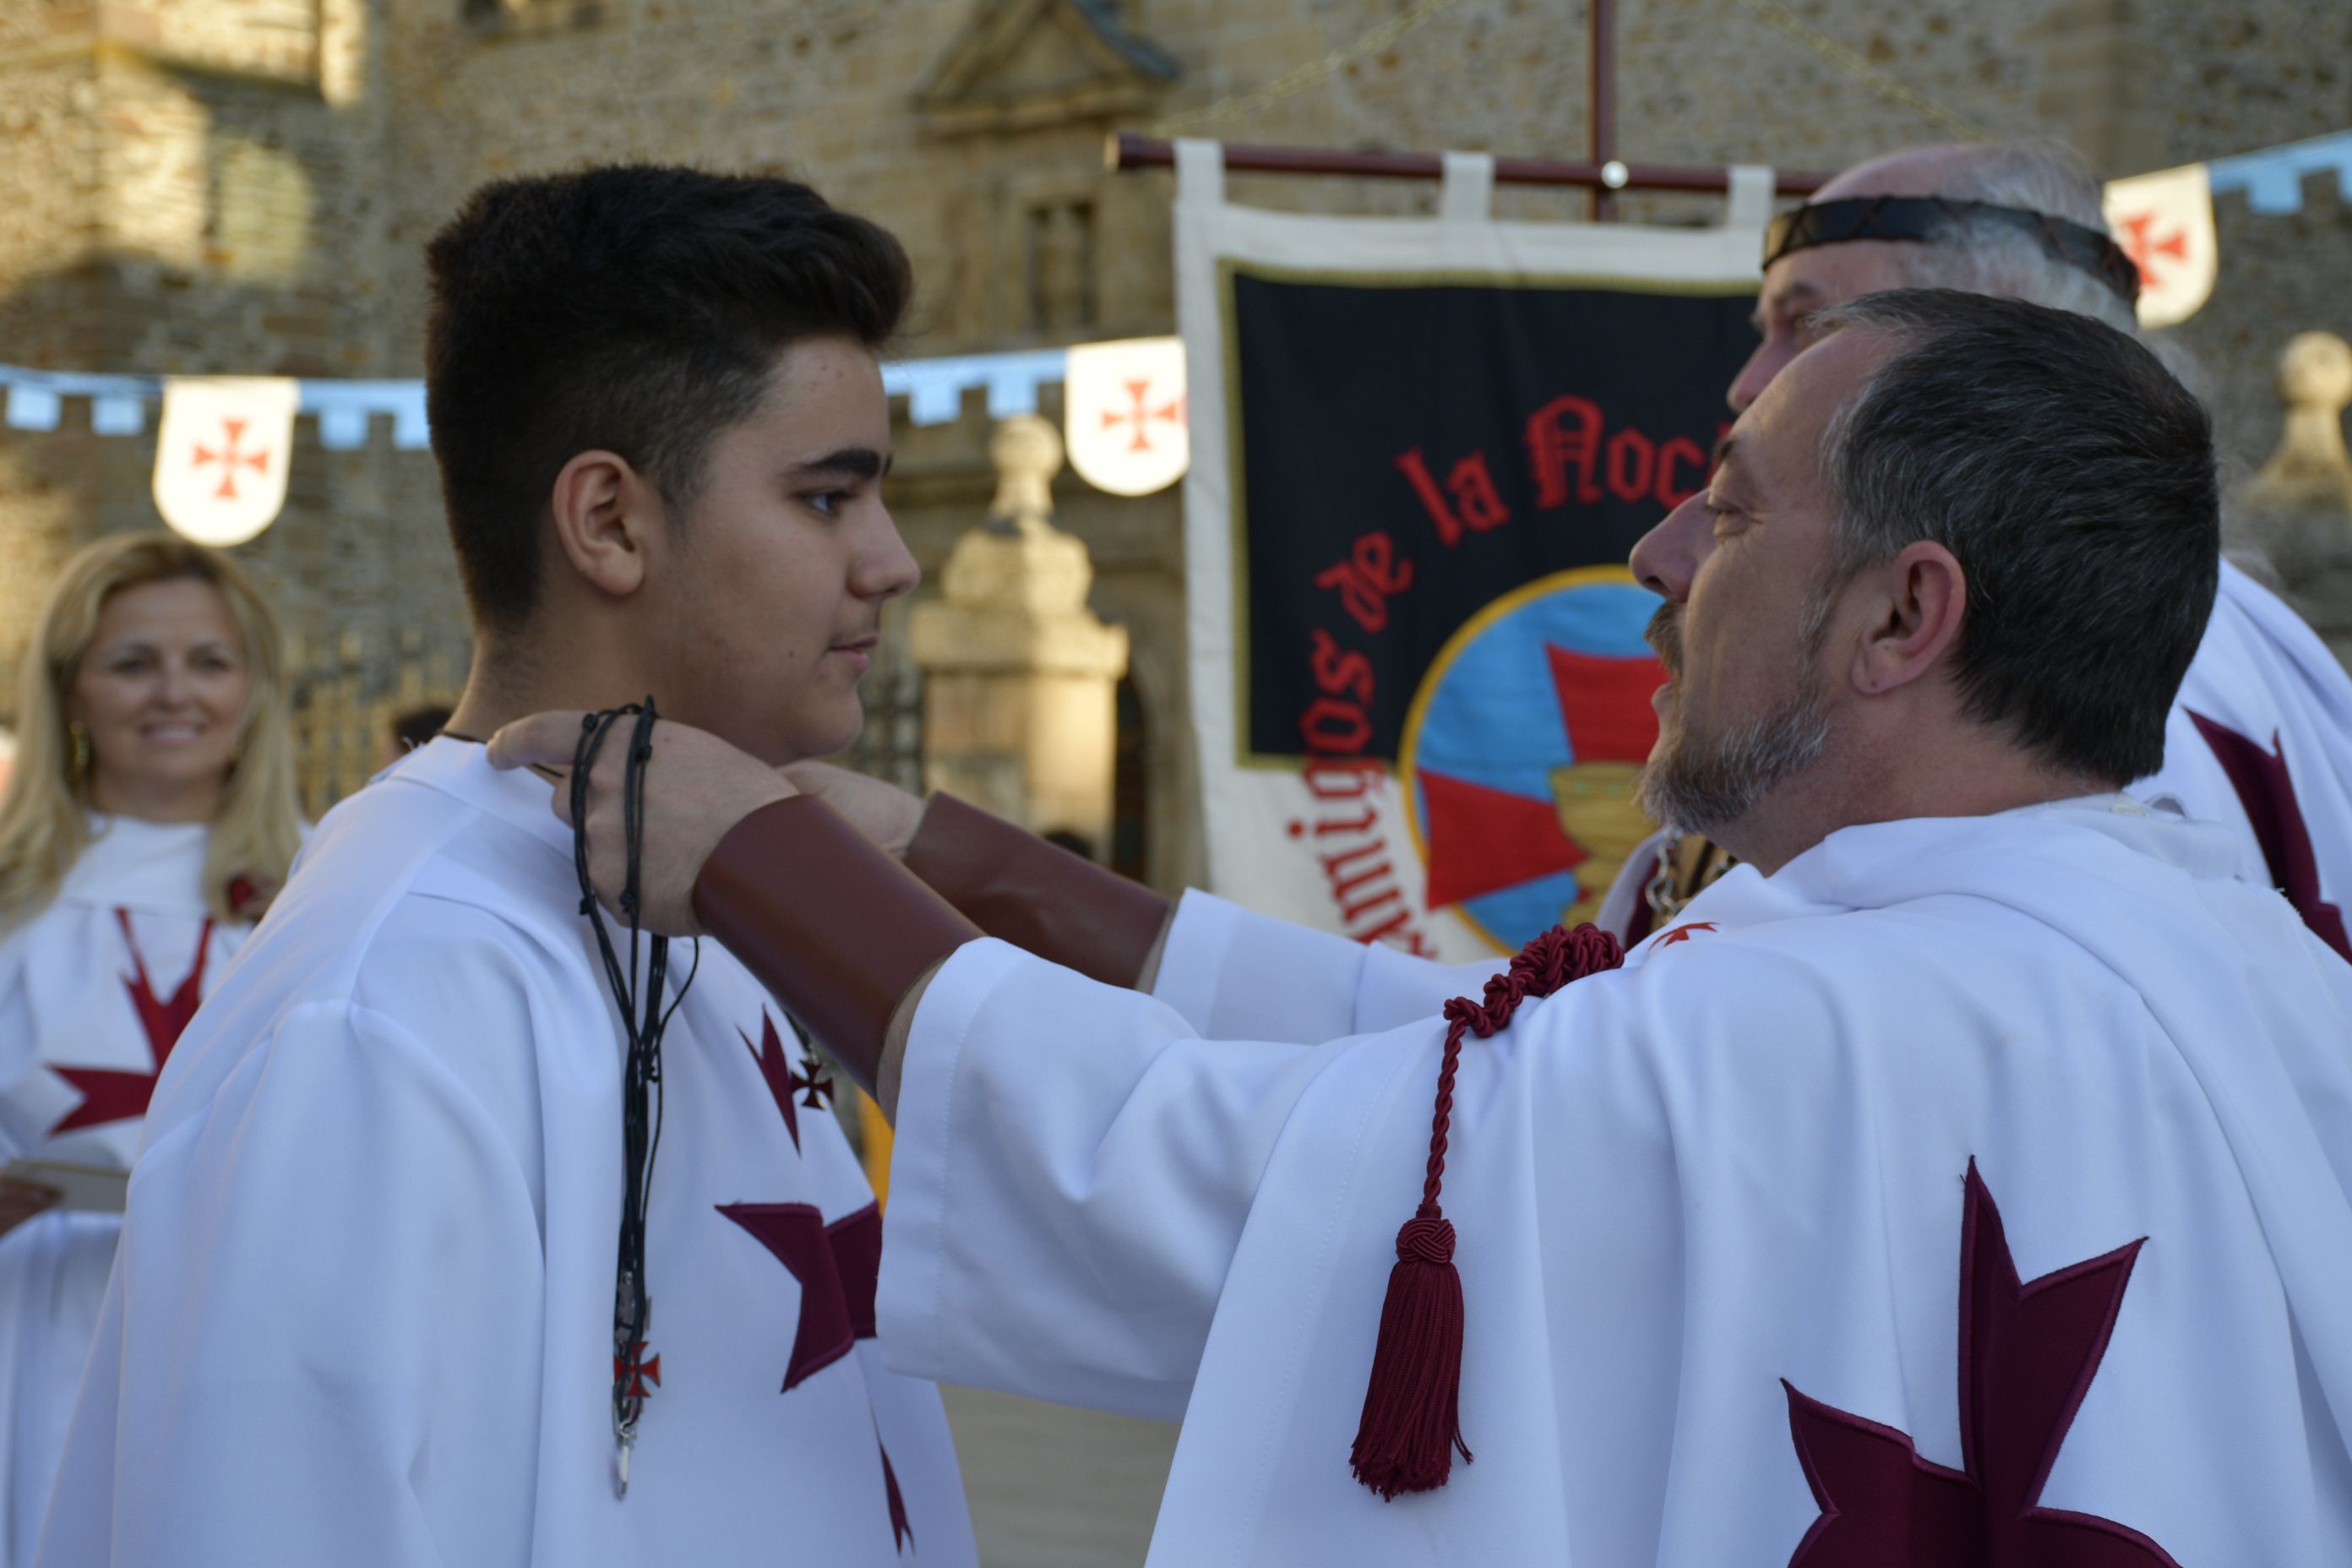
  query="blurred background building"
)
[{"x": 241, "y": 187}]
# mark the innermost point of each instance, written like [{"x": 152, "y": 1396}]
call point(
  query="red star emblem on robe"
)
[
  {"x": 113, "y": 1094},
  {"x": 836, "y": 1266},
  {"x": 775, "y": 1071},
  {"x": 2266, "y": 789},
  {"x": 1683, "y": 932},
  {"x": 2028, "y": 1353}
]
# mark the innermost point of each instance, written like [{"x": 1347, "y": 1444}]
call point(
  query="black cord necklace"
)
[{"x": 644, "y": 1019}]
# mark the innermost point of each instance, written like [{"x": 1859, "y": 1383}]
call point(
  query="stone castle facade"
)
[{"x": 242, "y": 186}]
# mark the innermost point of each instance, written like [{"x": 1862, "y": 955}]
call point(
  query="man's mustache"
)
[{"x": 1665, "y": 636}]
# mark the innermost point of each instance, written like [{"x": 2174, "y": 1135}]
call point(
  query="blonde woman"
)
[{"x": 149, "y": 817}]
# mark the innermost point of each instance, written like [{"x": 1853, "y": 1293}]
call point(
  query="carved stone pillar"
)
[
  {"x": 1019, "y": 677},
  {"x": 2299, "y": 507}
]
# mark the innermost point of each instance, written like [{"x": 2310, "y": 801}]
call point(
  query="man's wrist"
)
[
  {"x": 828, "y": 923},
  {"x": 1037, "y": 896}
]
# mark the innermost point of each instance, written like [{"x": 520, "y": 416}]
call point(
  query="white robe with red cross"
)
[
  {"x": 1973, "y": 1191},
  {"x": 363, "y": 1314},
  {"x": 94, "y": 991}
]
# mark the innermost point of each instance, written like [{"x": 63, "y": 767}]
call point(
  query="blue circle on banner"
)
[{"x": 1521, "y": 748}]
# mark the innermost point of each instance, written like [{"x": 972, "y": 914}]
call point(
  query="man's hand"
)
[
  {"x": 885, "y": 814},
  {"x": 697, "y": 786}
]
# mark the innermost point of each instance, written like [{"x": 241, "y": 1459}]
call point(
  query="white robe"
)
[
  {"x": 86, "y": 988},
  {"x": 1738, "y": 1161},
  {"x": 362, "y": 1312},
  {"x": 2269, "y": 691}
]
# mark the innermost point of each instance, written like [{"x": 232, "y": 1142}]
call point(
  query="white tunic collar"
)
[{"x": 461, "y": 769}]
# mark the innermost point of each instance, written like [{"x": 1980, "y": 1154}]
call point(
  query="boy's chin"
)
[{"x": 818, "y": 736}]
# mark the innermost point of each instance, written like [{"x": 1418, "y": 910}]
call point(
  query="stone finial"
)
[
  {"x": 2310, "y": 470},
  {"x": 1020, "y": 677},
  {"x": 1028, "y": 452}
]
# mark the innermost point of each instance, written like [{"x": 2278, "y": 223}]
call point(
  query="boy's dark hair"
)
[
  {"x": 637, "y": 309},
  {"x": 2074, "y": 479}
]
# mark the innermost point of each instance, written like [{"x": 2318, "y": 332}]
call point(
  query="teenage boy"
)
[{"x": 373, "y": 1289}]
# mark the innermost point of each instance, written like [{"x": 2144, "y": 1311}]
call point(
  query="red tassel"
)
[{"x": 1411, "y": 1423}]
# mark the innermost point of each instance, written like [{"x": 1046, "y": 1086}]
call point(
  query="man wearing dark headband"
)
[{"x": 2261, "y": 736}]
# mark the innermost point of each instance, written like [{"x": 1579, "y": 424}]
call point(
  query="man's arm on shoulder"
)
[
  {"x": 1232, "y": 974},
  {"x": 322, "y": 1342}
]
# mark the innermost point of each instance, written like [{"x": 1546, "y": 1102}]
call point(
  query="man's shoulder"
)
[{"x": 406, "y": 888}]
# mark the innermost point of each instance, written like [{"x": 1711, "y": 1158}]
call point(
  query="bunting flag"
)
[
  {"x": 222, "y": 455},
  {"x": 1123, "y": 415},
  {"x": 2164, "y": 221}
]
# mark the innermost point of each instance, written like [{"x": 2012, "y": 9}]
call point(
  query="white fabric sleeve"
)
[
  {"x": 322, "y": 1340},
  {"x": 1235, "y": 976},
  {"x": 1066, "y": 1200},
  {"x": 1399, "y": 989}
]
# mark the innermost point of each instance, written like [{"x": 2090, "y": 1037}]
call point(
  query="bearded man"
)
[
  {"x": 1962, "y": 1180},
  {"x": 2260, "y": 737}
]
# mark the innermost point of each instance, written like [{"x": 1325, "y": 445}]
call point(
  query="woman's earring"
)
[{"x": 79, "y": 759}]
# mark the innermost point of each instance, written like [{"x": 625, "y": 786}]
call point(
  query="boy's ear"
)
[{"x": 606, "y": 516}]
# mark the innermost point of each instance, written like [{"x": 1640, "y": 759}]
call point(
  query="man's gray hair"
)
[
  {"x": 2072, "y": 478},
  {"x": 1979, "y": 256}
]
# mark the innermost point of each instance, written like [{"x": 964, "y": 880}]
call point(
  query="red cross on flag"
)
[
  {"x": 221, "y": 455},
  {"x": 1123, "y": 415},
  {"x": 2164, "y": 221}
]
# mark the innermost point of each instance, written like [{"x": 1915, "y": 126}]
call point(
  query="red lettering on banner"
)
[
  {"x": 1341, "y": 671},
  {"x": 1367, "y": 580},
  {"x": 1555, "y": 446},
  {"x": 1680, "y": 450},
  {"x": 1360, "y": 877},
  {"x": 1357, "y": 775},
  {"x": 1330, "y": 724},
  {"x": 1631, "y": 460},
  {"x": 1472, "y": 483}
]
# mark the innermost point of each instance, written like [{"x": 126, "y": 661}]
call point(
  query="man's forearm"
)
[
  {"x": 839, "y": 931},
  {"x": 1016, "y": 887}
]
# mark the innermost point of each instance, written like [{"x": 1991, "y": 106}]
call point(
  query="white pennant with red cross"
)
[
  {"x": 2164, "y": 221},
  {"x": 222, "y": 454},
  {"x": 1124, "y": 417}
]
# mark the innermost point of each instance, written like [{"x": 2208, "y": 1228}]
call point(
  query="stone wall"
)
[{"x": 242, "y": 186}]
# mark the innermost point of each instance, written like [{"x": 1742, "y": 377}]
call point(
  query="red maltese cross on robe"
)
[
  {"x": 2028, "y": 1353},
  {"x": 836, "y": 1266},
  {"x": 113, "y": 1094}
]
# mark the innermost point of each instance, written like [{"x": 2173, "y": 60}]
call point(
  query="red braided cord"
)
[{"x": 1542, "y": 967}]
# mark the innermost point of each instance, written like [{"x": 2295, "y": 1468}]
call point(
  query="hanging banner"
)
[
  {"x": 221, "y": 455},
  {"x": 1419, "y": 677},
  {"x": 2164, "y": 221},
  {"x": 1123, "y": 414}
]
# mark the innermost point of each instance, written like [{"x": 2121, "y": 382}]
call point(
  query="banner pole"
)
[
  {"x": 1128, "y": 151},
  {"x": 1601, "y": 103}
]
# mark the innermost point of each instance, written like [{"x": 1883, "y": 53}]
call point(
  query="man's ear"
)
[
  {"x": 1919, "y": 600},
  {"x": 608, "y": 516}
]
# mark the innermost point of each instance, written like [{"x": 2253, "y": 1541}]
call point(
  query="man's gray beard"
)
[{"x": 1697, "y": 787}]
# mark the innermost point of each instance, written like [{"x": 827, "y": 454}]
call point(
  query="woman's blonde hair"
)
[{"x": 44, "y": 816}]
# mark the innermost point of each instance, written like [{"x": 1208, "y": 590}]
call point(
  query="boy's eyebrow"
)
[{"x": 856, "y": 462}]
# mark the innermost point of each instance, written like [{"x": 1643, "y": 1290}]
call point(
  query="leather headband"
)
[{"x": 1923, "y": 218}]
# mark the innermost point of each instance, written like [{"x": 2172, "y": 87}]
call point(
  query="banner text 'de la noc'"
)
[{"x": 1412, "y": 453}]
